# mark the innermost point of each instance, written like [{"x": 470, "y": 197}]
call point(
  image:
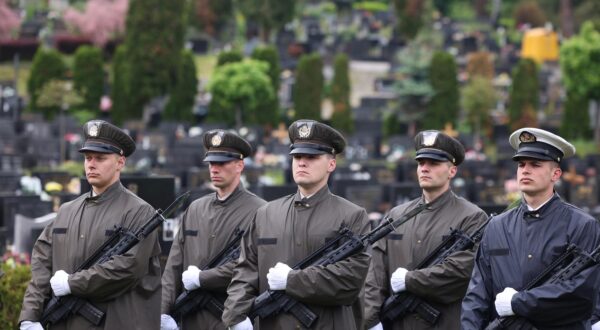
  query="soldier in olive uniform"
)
[
  {"x": 209, "y": 224},
  {"x": 394, "y": 257},
  {"x": 127, "y": 287},
  {"x": 287, "y": 230}
]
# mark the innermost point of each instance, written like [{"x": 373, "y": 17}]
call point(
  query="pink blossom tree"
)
[
  {"x": 9, "y": 20},
  {"x": 101, "y": 20}
]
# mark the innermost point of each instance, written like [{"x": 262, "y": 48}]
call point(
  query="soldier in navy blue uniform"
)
[{"x": 519, "y": 244}]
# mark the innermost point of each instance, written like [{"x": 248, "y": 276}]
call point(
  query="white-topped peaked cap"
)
[{"x": 537, "y": 143}]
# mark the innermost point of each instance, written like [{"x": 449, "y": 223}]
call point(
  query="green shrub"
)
[
  {"x": 229, "y": 57},
  {"x": 88, "y": 76},
  {"x": 48, "y": 64},
  {"x": 12, "y": 288}
]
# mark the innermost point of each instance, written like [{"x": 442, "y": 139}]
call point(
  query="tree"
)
[
  {"x": 231, "y": 56},
  {"x": 524, "y": 95},
  {"x": 120, "y": 87},
  {"x": 48, "y": 64},
  {"x": 269, "y": 55},
  {"x": 101, "y": 21},
  {"x": 410, "y": 17},
  {"x": 480, "y": 64},
  {"x": 576, "y": 118},
  {"x": 478, "y": 98},
  {"x": 239, "y": 92},
  {"x": 269, "y": 15},
  {"x": 529, "y": 12},
  {"x": 212, "y": 15},
  {"x": 88, "y": 76},
  {"x": 181, "y": 101},
  {"x": 340, "y": 95},
  {"x": 154, "y": 42},
  {"x": 444, "y": 105},
  {"x": 10, "y": 21},
  {"x": 307, "y": 92},
  {"x": 580, "y": 64}
]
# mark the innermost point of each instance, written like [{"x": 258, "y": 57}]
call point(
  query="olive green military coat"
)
[
  {"x": 442, "y": 285},
  {"x": 288, "y": 230},
  {"x": 126, "y": 288},
  {"x": 207, "y": 227}
]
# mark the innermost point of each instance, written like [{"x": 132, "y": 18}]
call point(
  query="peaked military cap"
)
[
  {"x": 104, "y": 137},
  {"x": 537, "y": 143},
  {"x": 224, "y": 146},
  {"x": 439, "y": 146},
  {"x": 315, "y": 138}
]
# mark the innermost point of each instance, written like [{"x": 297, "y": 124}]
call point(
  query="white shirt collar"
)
[{"x": 529, "y": 208}]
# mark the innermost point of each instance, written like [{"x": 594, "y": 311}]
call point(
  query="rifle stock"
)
[
  {"x": 273, "y": 302},
  {"x": 121, "y": 241}
]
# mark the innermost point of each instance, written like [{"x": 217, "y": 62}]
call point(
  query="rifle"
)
[
  {"x": 273, "y": 302},
  {"x": 121, "y": 241},
  {"x": 398, "y": 305},
  {"x": 198, "y": 299},
  {"x": 570, "y": 263}
]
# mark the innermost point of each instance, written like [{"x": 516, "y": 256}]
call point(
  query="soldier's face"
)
[
  {"x": 223, "y": 175},
  {"x": 537, "y": 177},
  {"x": 312, "y": 170},
  {"x": 434, "y": 175},
  {"x": 102, "y": 170}
]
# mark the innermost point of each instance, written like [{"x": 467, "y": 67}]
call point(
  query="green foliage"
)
[
  {"x": 444, "y": 105},
  {"x": 48, "y": 64},
  {"x": 460, "y": 10},
  {"x": 269, "y": 15},
  {"x": 120, "y": 86},
  {"x": 154, "y": 41},
  {"x": 580, "y": 63},
  {"x": 183, "y": 95},
  {"x": 269, "y": 55},
  {"x": 12, "y": 289},
  {"x": 231, "y": 56},
  {"x": 308, "y": 89},
  {"x": 340, "y": 95},
  {"x": 524, "y": 94},
  {"x": 410, "y": 20},
  {"x": 88, "y": 75},
  {"x": 59, "y": 94},
  {"x": 373, "y": 6},
  {"x": 240, "y": 92},
  {"x": 529, "y": 12},
  {"x": 576, "y": 118},
  {"x": 588, "y": 11},
  {"x": 478, "y": 98}
]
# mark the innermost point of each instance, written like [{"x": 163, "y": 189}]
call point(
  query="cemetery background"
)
[{"x": 379, "y": 71}]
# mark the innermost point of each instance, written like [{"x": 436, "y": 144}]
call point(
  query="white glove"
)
[
  {"x": 378, "y": 326},
  {"x": 398, "y": 280},
  {"x": 277, "y": 276},
  {"x": 503, "y": 302},
  {"x": 244, "y": 325},
  {"x": 191, "y": 278},
  {"x": 28, "y": 325},
  {"x": 596, "y": 326},
  {"x": 167, "y": 322},
  {"x": 60, "y": 283}
]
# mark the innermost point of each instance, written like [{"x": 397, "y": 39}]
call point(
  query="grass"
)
[{"x": 205, "y": 65}]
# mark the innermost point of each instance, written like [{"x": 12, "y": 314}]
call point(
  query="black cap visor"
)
[
  {"x": 221, "y": 156},
  {"x": 538, "y": 150},
  {"x": 101, "y": 148},
  {"x": 310, "y": 149},
  {"x": 428, "y": 153}
]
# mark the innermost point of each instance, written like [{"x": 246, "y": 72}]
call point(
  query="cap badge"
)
[
  {"x": 93, "y": 129},
  {"x": 304, "y": 131},
  {"x": 429, "y": 138},
  {"x": 527, "y": 137},
  {"x": 216, "y": 140}
]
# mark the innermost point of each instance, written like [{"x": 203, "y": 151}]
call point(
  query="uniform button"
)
[
  {"x": 419, "y": 241},
  {"x": 81, "y": 236},
  {"x": 530, "y": 256},
  {"x": 298, "y": 243},
  {"x": 213, "y": 236},
  {"x": 307, "y": 205}
]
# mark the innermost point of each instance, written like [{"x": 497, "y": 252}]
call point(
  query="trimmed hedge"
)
[{"x": 12, "y": 288}]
